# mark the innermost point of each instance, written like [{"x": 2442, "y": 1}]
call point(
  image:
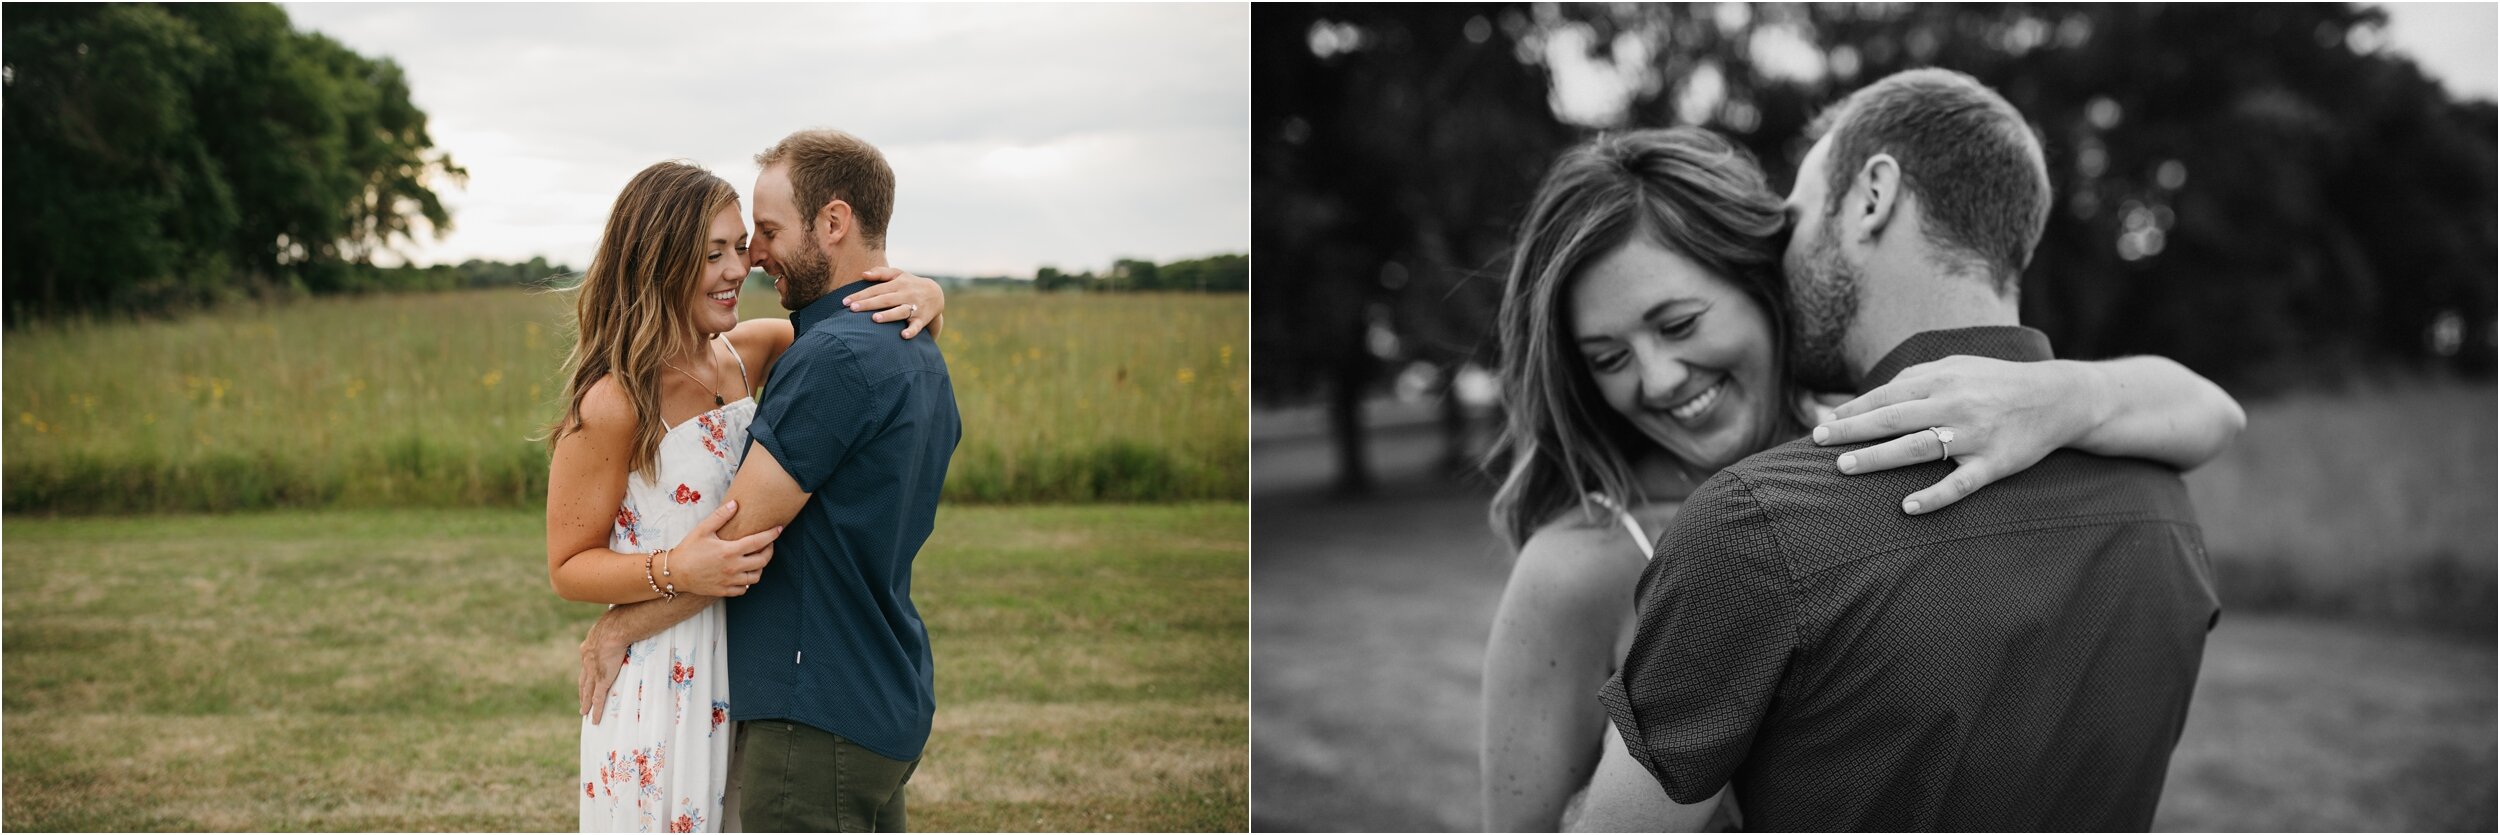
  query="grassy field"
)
[
  {"x": 2377, "y": 504},
  {"x": 410, "y": 670},
  {"x": 430, "y": 400}
]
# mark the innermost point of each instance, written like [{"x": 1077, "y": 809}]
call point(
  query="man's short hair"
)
[
  {"x": 828, "y": 165},
  {"x": 1976, "y": 166}
]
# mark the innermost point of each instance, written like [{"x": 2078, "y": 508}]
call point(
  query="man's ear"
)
[
  {"x": 1878, "y": 187},
  {"x": 833, "y": 223}
]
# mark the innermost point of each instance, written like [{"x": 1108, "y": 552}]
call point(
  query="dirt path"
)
[{"x": 1370, "y": 617}]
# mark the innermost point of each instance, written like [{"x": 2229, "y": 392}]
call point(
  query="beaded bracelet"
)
[
  {"x": 671, "y": 593},
  {"x": 647, "y": 578}
]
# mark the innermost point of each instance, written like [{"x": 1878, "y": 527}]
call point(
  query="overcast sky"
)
[
  {"x": 1020, "y": 135},
  {"x": 2451, "y": 41}
]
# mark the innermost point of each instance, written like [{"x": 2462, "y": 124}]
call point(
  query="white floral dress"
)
[{"x": 659, "y": 759}]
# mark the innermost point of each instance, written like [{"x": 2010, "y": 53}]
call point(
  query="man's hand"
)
[{"x": 602, "y": 659}]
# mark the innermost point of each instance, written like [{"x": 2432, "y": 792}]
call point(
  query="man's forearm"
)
[{"x": 623, "y": 625}]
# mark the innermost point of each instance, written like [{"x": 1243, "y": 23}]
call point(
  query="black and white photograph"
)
[{"x": 1891, "y": 417}]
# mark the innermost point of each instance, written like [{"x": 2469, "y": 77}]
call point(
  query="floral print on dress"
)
[
  {"x": 714, "y": 432},
  {"x": 680, "y": 685},
  {"x": 628, "y": 524},
  {"x": 647, "y": 766},
  {"x": 689, "y": 819}
]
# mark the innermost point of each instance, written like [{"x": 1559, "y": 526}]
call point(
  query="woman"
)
[
  {"x": 655, "y": 423},
  {"x": 1660, "y": 249}
]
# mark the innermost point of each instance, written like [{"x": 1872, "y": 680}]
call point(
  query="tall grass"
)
[
  {"x": 2376, "y": 503},
  {"x": 431, "y": 400}
]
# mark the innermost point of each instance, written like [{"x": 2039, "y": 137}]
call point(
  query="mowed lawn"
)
[{"x": 411, "y": 670}]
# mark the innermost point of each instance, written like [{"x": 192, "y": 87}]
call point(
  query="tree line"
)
[
  {"x": 2264, "y": 192},
  {"x": 166, "y": 156},
  {"x": 1213, "y": 274}
]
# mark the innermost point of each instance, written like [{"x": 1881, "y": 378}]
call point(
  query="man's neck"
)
[
  {"x": 1899, "y": 304},
  {"x": 848, "y": 265}
]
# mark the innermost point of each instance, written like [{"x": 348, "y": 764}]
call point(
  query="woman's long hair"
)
[
  {"x": 632, "y": 311},
  {"x": 1690, "y": 191}
]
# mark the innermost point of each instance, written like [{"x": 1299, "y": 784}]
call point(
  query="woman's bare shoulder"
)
[
  {"x": 606, "y": 410},
  {"x": 1574, "y": 560},
  {"x": 761, "y": 341},
  {"x": 768, "y": 333}
]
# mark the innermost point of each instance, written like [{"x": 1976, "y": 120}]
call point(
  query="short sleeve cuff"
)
[
  {"x": 762, "y": 433},
  {"x": 1618, "y": 706}
]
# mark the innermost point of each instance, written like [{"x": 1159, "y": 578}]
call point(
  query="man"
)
[
  {"x": 828, "y": 660},
  {"x": 2021, "y": 660}
]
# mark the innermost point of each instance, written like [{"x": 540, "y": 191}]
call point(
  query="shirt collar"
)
[
  {"x": 825, "y": 308},
  {"x": 2005, "y": 342}
]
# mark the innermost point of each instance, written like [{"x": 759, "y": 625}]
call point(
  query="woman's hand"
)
[
  {"x": 900, "y": 295},
  {"x": 2003, "y": 417},
  {"x": 708, "y": 565}
]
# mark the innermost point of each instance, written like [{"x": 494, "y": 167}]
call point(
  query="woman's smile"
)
[{"x": 1694, "y": 407}]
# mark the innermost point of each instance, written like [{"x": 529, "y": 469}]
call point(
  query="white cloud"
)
[{"x": 1021, "y": 135}]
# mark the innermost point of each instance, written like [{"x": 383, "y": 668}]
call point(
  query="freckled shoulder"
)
[
  {"x": 1574, "y": 563},
  {"x": 606, "y": 411}
]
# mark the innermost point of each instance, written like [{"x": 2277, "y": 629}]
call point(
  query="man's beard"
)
[
  {"x": 1823, "y": 306},
  {"x": 805, "y": 278}
]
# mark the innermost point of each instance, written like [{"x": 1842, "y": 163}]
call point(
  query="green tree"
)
[
  {"x": 1213, "y": 274},
  {"x": 162, "y": 156},
  {"x": 1130, "y": 274}
]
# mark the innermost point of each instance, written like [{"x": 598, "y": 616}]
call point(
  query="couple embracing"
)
[
  {"x": 749, "y": 497},
  {"x": 1970, "y": 597}
]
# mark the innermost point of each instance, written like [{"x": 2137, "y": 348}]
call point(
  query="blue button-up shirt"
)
[{"x": 865, "y": 422}]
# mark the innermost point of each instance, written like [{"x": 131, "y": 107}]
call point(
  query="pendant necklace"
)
[{"x": 717, "y": 402}]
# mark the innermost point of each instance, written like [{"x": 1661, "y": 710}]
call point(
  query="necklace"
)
[{"x": 717, "y": 402}]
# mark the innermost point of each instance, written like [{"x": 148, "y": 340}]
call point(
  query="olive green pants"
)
[{"x": 790, "y": 777}]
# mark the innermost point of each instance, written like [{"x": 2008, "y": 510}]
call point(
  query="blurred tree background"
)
[
  {"x": 2258, "y": 191},
  {"x": 1228, "y": 273},
  {"x": 164, "y": 156}
]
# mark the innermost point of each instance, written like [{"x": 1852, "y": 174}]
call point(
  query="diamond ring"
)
[{"x": 1944, "y": 442}]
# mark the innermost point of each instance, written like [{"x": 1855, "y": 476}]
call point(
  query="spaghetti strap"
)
[
  {"x": 742, "y": 369},
  {"x": 1640, "y": 538}
]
